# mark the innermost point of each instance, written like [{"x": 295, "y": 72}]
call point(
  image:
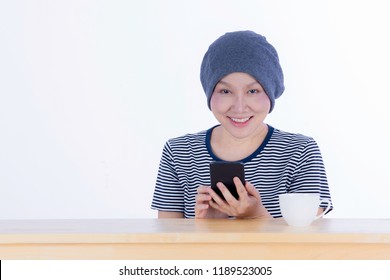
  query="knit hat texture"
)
[{"x": 242, "y": 51}]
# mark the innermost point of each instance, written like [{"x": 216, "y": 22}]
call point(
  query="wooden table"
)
[{"x": 194, "y": 239}]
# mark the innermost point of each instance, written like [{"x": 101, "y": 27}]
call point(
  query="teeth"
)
[{"x": 240, "y": 120}]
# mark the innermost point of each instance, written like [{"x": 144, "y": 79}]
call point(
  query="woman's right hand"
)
[{"x": 203, "y": 209}]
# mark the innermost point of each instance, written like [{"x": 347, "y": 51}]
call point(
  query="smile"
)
[{"x": 240, "y": 120}]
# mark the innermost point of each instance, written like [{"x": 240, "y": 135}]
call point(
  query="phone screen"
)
[{"x": 224, "y": 172}]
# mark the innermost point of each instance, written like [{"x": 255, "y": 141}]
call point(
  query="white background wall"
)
[{"x": 91, "y": 90}]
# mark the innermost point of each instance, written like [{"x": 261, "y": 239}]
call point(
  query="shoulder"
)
[
  {"x": 288, "y": 142},
  {"x": 289, "y": 137},
  {"x": 187, "y": 143},
  {"x": 187, "y": 147},
  {"x": 188, "y": 139}
]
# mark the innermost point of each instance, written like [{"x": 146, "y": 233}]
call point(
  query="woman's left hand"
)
[{"x": 248, "y": 205}]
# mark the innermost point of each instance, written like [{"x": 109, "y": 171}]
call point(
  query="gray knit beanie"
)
[{"x": 242, "y": 51}]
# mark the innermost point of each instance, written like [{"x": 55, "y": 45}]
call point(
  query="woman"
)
[{"x": 242, "y": 77}]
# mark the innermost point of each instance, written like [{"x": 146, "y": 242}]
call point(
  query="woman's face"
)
[{"x": 240, "y": 104}]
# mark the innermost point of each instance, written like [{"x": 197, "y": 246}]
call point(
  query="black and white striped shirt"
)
[{"x": 285, "y": 162}]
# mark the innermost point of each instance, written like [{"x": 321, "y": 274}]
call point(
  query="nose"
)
[{"x": 240, "y": 103}]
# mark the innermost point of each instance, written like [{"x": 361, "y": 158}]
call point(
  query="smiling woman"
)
[
  {"x": 240, "y": 104},
  {"x": 242, "y": 77}
]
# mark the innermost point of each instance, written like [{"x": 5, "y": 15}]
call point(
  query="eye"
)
[
  {"x": 253, "y": 91},
  {"x": 224, "y": 91}
]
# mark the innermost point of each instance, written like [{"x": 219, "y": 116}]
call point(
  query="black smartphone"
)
[{"x": 224, "y": 172}]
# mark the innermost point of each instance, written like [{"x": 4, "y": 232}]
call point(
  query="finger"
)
[
  {"x": 203, "y": 189},
  {"x": 252, "y": 190},
  {"x": 219, "y": 206},
  {"x": 226, "y": 205},
  {"x": 201, "y": 210},
  {"x": 215, "y": 197},
  {"x": 202, "y": 198},
  {"x": 241, "y": 190},
  {"x": 201, "y": 207}
]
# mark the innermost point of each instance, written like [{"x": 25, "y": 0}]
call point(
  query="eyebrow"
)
[{"x": 248, "y": 85}]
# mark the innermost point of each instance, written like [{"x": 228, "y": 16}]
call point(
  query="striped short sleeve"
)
[
  {"x": 169, "y": 193},
  {"x": 284, "y": 162}
]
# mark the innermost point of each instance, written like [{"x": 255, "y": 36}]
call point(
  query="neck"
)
[{"x": 230, "y": 148}]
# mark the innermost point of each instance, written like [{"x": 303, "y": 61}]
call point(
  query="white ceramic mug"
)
[{"x": 300, "y": 209}]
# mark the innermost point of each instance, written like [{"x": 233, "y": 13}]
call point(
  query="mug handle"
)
[{"x": 326, "y": 210}]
